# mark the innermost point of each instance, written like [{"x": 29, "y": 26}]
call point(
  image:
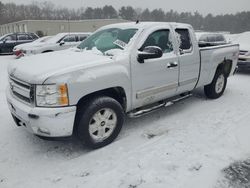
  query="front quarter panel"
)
[{"x": 85, "y": 81}]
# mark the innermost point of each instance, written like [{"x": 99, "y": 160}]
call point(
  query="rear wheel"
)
[
  {"x": 99, "y": 121},
  {"x": 218, "y": 85}
]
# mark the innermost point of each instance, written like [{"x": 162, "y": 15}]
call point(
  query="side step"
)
[{"x": 151, "y": 108}]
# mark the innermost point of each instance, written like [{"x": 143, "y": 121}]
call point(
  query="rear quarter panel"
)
[{"x": 211, "y": 57}]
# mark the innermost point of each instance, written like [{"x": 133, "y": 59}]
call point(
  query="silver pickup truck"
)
[{"x": 128, "y": 68}]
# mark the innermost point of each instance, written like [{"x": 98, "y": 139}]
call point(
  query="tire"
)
[
  {"x": 99, "y": 121},
  {"x": 218, "y": 85}
]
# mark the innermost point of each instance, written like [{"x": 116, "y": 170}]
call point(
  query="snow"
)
[
  {"x": 242, "y": 38},
  {"x": 36, "y": 42},
  {"x": 186, "y": 145}
]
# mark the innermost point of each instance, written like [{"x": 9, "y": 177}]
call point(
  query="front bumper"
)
[
  {"x": 243, "y": 64},
  {"x": 46, "y": 122}
]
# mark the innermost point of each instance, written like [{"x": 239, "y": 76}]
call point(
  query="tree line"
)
[{"x": 234, "y": 23}]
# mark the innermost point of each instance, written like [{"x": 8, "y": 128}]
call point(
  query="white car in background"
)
[
  {"x": 18, "y": 50},
  {"x": 61, "y": 41},
  {"x": 206, "y": 39},
  {"x": 244, "y": 57}
]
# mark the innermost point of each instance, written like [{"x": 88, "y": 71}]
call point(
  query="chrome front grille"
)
[{"x": 22, "y": 90}]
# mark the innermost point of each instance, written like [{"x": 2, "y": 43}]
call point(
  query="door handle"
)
[{"x": 172, "y": 64}]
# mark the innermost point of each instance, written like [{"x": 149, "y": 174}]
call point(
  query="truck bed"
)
[{"x": 212, "y": 56}]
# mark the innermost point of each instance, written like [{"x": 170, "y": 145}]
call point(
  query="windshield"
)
[
  {"x": 56, "y": 38},
  {"x": 108, "y": 39}
]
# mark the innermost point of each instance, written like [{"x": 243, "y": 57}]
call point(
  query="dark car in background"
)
[{"x": 9, "y": 41}]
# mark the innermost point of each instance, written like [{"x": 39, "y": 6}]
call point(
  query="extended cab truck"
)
[{"x": 121, "y": 69}]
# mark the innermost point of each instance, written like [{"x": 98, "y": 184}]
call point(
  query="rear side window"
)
[
  {"x": 82, "y": 37},
  {"x": 203, "y": 38},
  {"x": 160, "y": 38},
  {"x": 22, "y": 37},
  {"x": 33, "y": 36},
  {"x": 211, "y": 38},
  {"x": 70, "y": 38},
  {"x": 184, "y": 40},
  {"x": 220, "y": 38}
]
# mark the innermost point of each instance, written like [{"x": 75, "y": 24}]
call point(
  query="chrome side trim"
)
[
  {"x": 186, "y": 82},
  {"x": 155, "y": 90}
]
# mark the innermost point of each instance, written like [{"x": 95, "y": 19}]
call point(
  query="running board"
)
[{"x": 143, "y": 111}]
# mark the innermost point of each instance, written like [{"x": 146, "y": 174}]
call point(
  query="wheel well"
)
[
  {"x": 226, "y": 66},
  {"x": 116, "y": 93}
]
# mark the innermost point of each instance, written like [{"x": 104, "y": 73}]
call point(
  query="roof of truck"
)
[{"x": 144, "y": 25}]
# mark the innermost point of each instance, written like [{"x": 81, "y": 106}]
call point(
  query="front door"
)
[
  {"x": 155, "y": 79},
  {"x": 10, "y": 42}
]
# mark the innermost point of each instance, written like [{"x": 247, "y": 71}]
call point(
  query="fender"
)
[{"x": 86, "y": 81}]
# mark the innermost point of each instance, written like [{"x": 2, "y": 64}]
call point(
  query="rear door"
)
[
  {"x": 23, "y": 38},
  {"x": 9, "y": 43},
  {"x": 154, "y": 79},
  {"x": 189, "y": 61}
]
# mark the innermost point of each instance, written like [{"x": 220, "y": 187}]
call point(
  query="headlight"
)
[{"x": 52, "y": 95}]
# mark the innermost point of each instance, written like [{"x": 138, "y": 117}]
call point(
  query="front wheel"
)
[
  {"x": 218, "y": 85},
  {"x": 100, "y": 121}
]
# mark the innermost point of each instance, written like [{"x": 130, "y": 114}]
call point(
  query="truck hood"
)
[{"x": 36, "y": 69}]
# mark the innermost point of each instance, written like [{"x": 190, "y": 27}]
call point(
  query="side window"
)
[
  {"x": 82, "y": 37},
  {"x": 70, "y": 38},
  {"x": 30, "y": 37},
  {"x": 220, "y": 38},
  {"x": 10, "y": 38},
  {"x": 212, "y": 38},
  {"x": 184, "y": 40},
  {"x": 203, "y": 38},
  {"x": 33, "y": 36},
  {"x": 160, "y": 38},
  {"x": 22, "y": 37}
]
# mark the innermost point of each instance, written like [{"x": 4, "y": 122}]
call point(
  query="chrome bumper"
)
[{"x": 47, "y": 122}]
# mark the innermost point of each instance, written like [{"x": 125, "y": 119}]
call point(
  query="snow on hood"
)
[
  {"x": 27, "y": 45},
  {"x": 35, "y": 43},
  {"x": 36, "y": 69}
]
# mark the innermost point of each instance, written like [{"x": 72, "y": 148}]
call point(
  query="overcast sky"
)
[{"x": 203, "y": 6}]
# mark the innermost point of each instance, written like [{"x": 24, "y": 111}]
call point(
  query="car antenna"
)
[{"x": 137, "y": 21}]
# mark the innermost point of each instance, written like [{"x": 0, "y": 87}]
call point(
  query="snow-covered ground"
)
[{"x": 187, "y": 145}]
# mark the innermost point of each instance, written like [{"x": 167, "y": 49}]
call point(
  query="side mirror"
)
[
  {"x": 61, "y": 43},
  {"x": 4, "y": 40},
  {"x": 149, "y": 52}
]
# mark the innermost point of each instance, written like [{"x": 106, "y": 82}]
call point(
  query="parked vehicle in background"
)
[
  {"x": 243, "y": 40},
  {"x": 9, "y": 41},
  {"x": 210, "y": 39},
  {"x": 61, "y": 41},
  {"x": 18, "y": 50},
  {"x": 128, "y": 68}
]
